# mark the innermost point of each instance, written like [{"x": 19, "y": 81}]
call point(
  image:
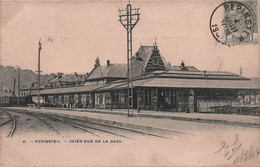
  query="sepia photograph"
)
[{"x": 129, "y": 83}]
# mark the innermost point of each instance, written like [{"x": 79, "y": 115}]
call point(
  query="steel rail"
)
[
  {"x": 131, "y": 130},
  {"x": 53, "y": 127},
  {"x": 101, "y": 130},
  {"x": 70, "y": 123},
  {"x": 95, "y": 123},
  {"x": 11, "y": 132},
  {"x": 85, "y": 126},
  {"x": 6, "y": 122},
  {"x": 30, "y": 114}
]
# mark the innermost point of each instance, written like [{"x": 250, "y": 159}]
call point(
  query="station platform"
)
[{"x": 152, "y": 121}]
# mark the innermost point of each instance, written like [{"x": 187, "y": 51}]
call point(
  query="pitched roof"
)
[
  {"x": 123, "y": 84},
  {"x": 201, "y": 83},
  {"x": 67, "y": 78},
  {"x": 189, "y": 68},
  {"x": 155, "y": 81},
  {"x": 54, "y": 80},
  {"x": 199, "y": 75},
  {"x": 75, "y": 89},
  {"x": 111, "y": 71},
  {"x": 71, "y": 78},
  {"x": 141, "y": 59},
  {"x": 5, "y": 93}
]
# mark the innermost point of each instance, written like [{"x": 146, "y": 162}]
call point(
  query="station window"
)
[
  {"x": 100, "y": 99},
  {"x": 141, "y": 97},
  {"x": 107, "y": 99},
  {"x": 66, "y": 98},
  {"x": 115, "y": 97},
  {"x": 168, "y": 93},
  {"x": 147, "y": 96},
  {"x": 84, "y": 98}
]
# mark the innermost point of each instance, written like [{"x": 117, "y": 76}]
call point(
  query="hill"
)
[{"x": 9, "y": 73}]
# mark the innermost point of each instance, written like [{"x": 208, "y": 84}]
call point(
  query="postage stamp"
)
[{"x": 234, "y": 22}]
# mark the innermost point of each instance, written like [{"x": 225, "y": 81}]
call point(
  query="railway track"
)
[
  {"x": 42, "y": 117},
  {"x": 13, "y": 119},
  {"x": 70, "y": 123},
  {"x": 86, "y": 126},
  {"x": 10, "y": 134},
  {"x": 45, "y": 122},
  {"x": 110, "y": 126}
]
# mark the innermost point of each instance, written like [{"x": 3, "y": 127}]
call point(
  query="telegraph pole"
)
[
  {"x": 39, "y": 71},
  {"x": 19, "y": 82},
  {"x": 128, "y": 18}
]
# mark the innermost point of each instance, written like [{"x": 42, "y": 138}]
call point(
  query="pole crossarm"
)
[{"x": 123, "y": 17}]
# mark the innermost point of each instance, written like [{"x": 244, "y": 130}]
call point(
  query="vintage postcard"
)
[{"x": 129, "y": 83}]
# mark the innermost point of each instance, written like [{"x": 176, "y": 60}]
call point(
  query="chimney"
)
[
  {"x": 204, "y": 73},
  {"x": 108, "y": 63},
  {"x": 137, "y": 54},
  {"x": 87, "y": 74},
  {"x": 76, "y": 78},
  {"x": 83, "y": 78},
  {"x": 182, "y": 65},
  {"x": 155, "y": 46},
  {"x": 59, "y": 75},
  {"x": 97, "y": 62}
]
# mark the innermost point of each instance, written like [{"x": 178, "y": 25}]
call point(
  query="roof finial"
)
[
  {"x": 240, "y": 71},
  {"x": 155, "y": 45},
  {"x": 97, "y": 62},
  {"x": 182, "y": 64}
]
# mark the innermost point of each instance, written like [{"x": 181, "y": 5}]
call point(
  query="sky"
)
[{"x": 73, "y": 34}]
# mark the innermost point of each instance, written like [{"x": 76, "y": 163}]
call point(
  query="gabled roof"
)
[
  {"x": 5, "y": 93},
  {"x": 71, "y": 78},
  {"x": 54, "y": 80},
  {"x": 110, "y": 71},
  {"x": 67, "y": 78},
  {"x": 141, "y": 59}
]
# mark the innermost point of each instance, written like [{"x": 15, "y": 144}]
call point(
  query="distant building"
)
[
  {"x": 106, "y": 73},
  {"x": 4, "y": 91},
  {"x": 61, "y": 80},
  {"x": 30, "y": 90}
]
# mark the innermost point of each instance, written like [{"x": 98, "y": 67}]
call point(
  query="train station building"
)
[{"x": 157, "y": 86}]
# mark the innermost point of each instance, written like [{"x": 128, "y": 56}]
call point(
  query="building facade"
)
[{"x": 157, "y": 86}]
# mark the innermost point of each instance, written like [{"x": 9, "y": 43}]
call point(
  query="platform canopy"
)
[
  {"x": 67, "y": 90},
  {"x": 201, "y": 83}
]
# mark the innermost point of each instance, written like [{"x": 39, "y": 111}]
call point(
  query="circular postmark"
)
[{"x": 232, "y": 23}]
